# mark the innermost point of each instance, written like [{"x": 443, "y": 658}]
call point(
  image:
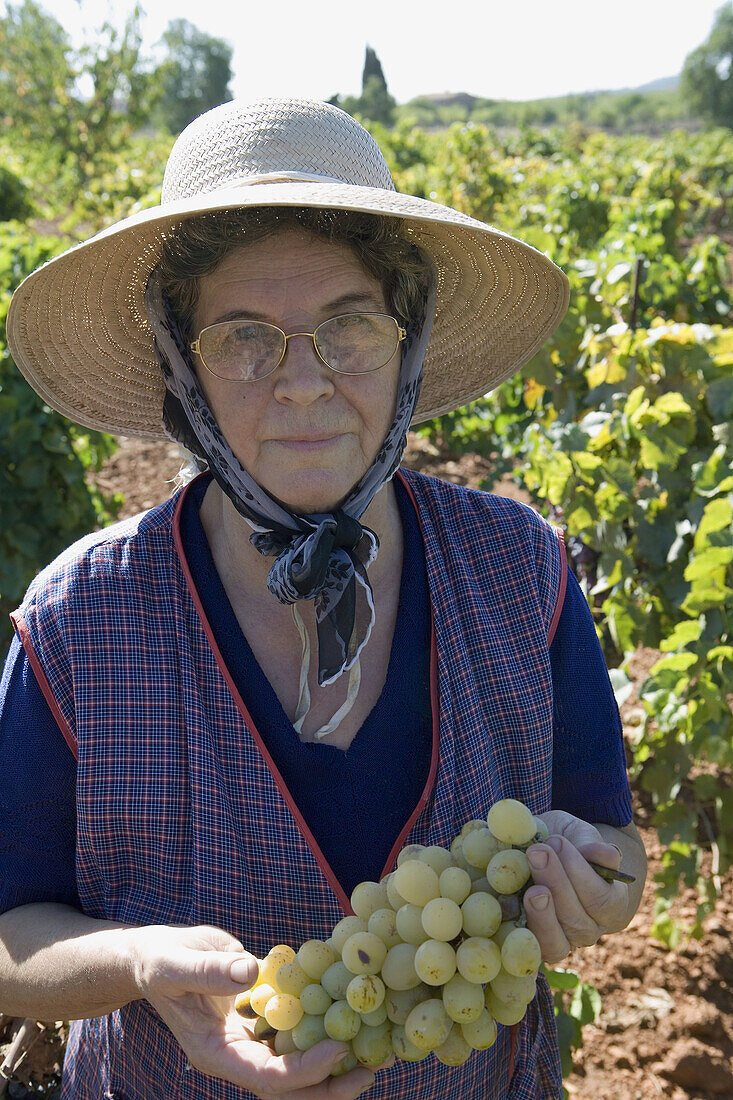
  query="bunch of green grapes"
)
[{"x": 432, "y": 959}]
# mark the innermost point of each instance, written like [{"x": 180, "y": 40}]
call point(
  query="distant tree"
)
[
  {"x": 375, "y": 103},
  {"x": 707, "y": 75},
  {"x": 194, "y": 77},
  {"x": 372, "y": 68},
  {"x": 80, "y": 103}
]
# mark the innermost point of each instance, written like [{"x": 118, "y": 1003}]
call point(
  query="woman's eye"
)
[{"x": 245, "y": 333}]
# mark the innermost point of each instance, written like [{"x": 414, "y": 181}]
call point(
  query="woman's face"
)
[{"x": 305, "y": 433}]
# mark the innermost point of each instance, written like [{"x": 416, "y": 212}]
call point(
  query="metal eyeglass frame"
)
[{"x": 196, "y": 347}]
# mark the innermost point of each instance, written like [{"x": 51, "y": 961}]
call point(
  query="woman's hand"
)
[
  {"x": 570, "y": 905},
  {"x": 190, "y": 976}
]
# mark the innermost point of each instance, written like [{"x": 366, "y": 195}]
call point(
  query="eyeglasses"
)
[{"x": 245, "y": 351}]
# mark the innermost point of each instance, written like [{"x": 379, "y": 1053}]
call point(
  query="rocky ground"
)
[{"x": 666, "y": 1025}]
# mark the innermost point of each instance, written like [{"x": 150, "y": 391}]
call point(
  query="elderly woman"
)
[{"x": 221, "y": 715}]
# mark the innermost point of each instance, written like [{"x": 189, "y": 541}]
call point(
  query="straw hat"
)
[{"x": 77, "y": 326}]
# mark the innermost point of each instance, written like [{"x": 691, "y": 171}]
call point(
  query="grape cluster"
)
[{"x": 435, "y": 955}]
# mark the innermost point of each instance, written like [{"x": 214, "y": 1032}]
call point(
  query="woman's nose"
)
[{"x": 301, "y": 377}]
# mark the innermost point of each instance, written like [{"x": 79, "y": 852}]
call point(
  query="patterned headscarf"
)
[{"x": 321, "y": 557}]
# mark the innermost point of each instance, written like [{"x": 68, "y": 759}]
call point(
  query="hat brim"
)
[{"x": 78, "y": 330}]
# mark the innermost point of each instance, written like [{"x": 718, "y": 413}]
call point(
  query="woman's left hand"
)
[{"x": 570, "y": 905}]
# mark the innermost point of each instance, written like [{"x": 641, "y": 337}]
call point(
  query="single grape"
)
[
  {"x": 435, "y": 962},
  {"x": 315, "y": 957},
  {"x": 308, "y": 1032},
  {"x": 346, "y": 927},
  {"x": 480, "y": 1034},
  {"x": 336, "y": 980},
  {"x": 345, "y": 1065},
  {"x": 382, "y": 923},
  {"x": 503, "y": 931},
  {"x": 479, "y": 885},
  {"x": 243, "y": 1007},
  {"x": 480, "y": 846},
  {"x": 314, "y": 999},
  {"x": 364, "y": 953},
  {"x": 428, "y": 1025},
  {"x": 403, "y": 1048},
  {"x": 417, "y": 882},
  {"x": 478, "y": 959},
  {"x": 511, "y": 906},
  {"x": 511, "y": 822},
  {"x": 283, "y": 1011},
  {"x": 455, "y": 883},
  {"x": 373, "y": 1045},
  {"x": 408, "y": 921},
  {"x": 365, "y": 992},
  {"x": 410, "y": 851},
  {"x": 368, "y": 897},
  {"x": 398, "y": 969},
  {"x": 260, "y": 995},
  {"x": 481, "y": 915},
  {"x": 436, "y": 857},
  {"x": 442, "y": 919},
  {"x": 521, "y": 953},
  {"x": 513, "y": 990},
  {"x": 455, "y": 1050},
  {"x": 284, "y": 1042},
  {"x": 341, "y": 1022},
  {"x": 541, "y": 831},
  {"x": 263, "y": 1031},
  {"x": 272, "y": 962},
  {"x": 292, "y": 978},
  {"x": 394, "y": 897},
  {"x": 501, "y": 1012},
  {"x": 377, "y": 1016},
  {"x": 508, "y": 871},
  {"x": 399, "y": 1003},
  {"x": 463, "y": 1000}
]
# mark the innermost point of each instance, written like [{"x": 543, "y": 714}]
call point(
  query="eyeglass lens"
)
[{"x": 353, "y": 343}]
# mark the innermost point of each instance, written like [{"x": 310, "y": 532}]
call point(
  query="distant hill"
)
[
  {"x": 651, "y": 108},
  {"x": 468, "y": 101}
]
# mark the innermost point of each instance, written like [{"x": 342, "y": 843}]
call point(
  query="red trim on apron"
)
[
  {"x": 310, "y": 840},
  {"x": 563, "y": 586},
  {"x": 24, "y": 634}
]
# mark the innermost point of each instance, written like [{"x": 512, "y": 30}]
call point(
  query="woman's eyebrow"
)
[{"x": 357, "y": 298}]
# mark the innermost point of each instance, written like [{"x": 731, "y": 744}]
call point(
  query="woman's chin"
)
[{"x": 310, "y": 494}]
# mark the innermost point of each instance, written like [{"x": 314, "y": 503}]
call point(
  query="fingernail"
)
[
  {"x": 555, "y": 843},
  {"x": 539, "y": 901},
  {"x": 242, "y": 971},
  {"x": 537, "y": 858}
]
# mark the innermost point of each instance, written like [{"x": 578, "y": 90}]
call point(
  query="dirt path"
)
[{"x": 666, "y": 1027}]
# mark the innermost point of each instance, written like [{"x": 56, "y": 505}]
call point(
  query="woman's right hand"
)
[{"x": 191, "y": 976}]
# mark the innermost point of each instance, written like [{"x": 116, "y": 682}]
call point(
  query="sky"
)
[{"x": 525, "y": 49}]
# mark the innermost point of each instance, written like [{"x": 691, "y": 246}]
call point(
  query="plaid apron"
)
[{"x": 170, "y": 767}]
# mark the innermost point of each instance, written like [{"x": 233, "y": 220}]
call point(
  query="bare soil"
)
[{"x": 666, "y": 1026}]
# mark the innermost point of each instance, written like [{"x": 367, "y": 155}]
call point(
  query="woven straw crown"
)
[{"x": 77, "y": 326}]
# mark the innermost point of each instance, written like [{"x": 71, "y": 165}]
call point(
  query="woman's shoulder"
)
[
  {"x": 456, "y": 502},
  {"x": 102, "y": 557}
]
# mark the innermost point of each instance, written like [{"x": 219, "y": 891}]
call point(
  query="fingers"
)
[
  {"x": 583, "y": 904},
  {"x": 599, "y": 851},
  {"x": 297, "y": 1076},
  {"x": 542, "y": 920}
]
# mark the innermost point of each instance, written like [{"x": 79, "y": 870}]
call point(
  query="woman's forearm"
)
[
  {"x": 633, "y": 861},
  {"x": 58, "y": 964}
]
